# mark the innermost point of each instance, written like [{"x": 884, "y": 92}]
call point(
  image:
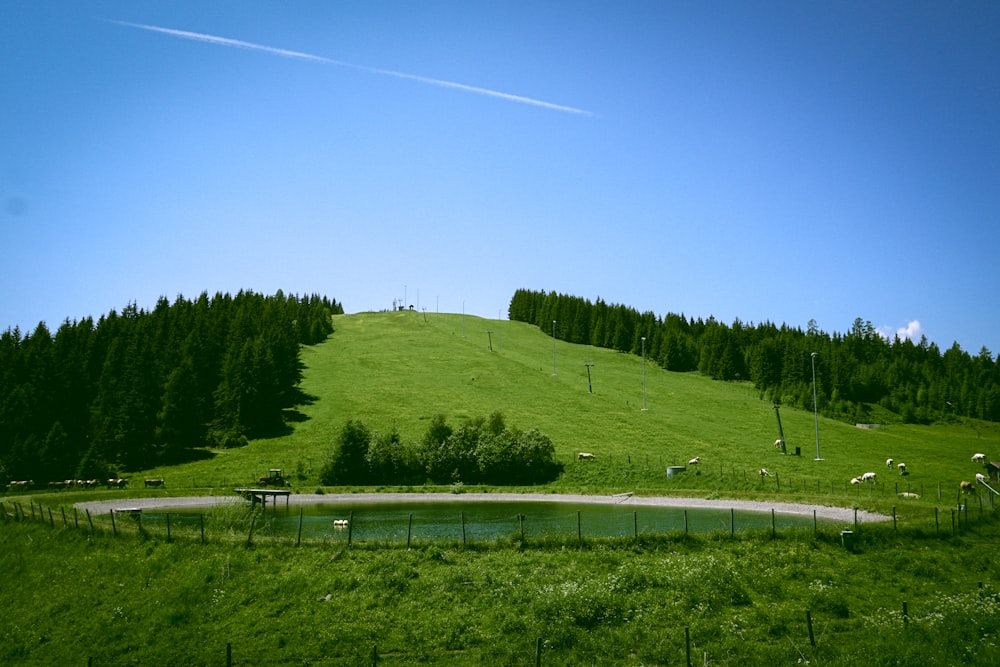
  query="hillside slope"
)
[{"x": 396, "y": 370}]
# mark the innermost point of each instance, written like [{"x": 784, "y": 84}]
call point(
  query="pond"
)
[{"x": 483, "y": 521}]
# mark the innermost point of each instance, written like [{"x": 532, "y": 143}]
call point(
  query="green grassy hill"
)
[
  {"x": 396, "y": 370},
  {"x": 917, "y": 595}
]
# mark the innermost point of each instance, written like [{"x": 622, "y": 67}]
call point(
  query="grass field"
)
[
  {"x": 396, "y": 370},
  {"x": 910, "y": 595}
]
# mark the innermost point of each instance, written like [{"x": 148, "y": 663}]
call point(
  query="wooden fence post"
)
[
  {"x": 253, "y": 520},
  {"x": 538, "y": 652},
  {"x": 229, "y": 654},
  {"x": 461, "y": 515},
  {"x": 114, "y": 526},
  {"x": 90, "y": 520},
  {"x": 350, "y": 527},
  {"x": 298, "y": 540},
  {"x": 202, "y": 524},
  {"x": 409, "y": 530},
  {"x": 687, "y": 645},
  {"x": 579, "y": 528},
  {"x": 809, "y": 622},
  {"x": 168, "y": 526}
]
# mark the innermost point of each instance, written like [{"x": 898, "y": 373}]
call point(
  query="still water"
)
[{"x": 493, "y": 520}]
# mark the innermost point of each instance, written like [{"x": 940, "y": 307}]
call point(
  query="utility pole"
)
[
  {"x": 588, "y": 364},
  {"x": 781, "y": 432}
]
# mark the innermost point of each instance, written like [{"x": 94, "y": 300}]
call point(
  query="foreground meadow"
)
[{"x": 894, "y": 599}]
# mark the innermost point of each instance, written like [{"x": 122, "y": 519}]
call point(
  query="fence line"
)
[{"x": 259, "y": 526}]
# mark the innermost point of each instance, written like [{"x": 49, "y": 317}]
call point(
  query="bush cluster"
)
[{"x": 482, "y": 451}]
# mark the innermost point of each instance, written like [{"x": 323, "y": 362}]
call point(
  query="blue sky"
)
[{"x": 767, "y": 161}]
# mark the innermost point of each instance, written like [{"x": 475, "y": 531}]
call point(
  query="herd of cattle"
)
[{"x": 113, "y": 483}]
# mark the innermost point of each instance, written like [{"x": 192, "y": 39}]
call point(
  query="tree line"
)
[
  {"x": 481, "y": 451},
  {"x": 141, "y": 388},
  {"x": 859, "y": 374}
]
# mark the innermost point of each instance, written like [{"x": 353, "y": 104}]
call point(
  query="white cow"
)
[
  {"x": 888, "y": 463},
  {"x": 779, "y": 443},
  {"x": 763, "y": 473},
  {"x": 902, "y": 468},
  {"x": 855, "y": 480},
  {"x": 868, "y": 477},
  {"x": 695, "y": 461},
  {"x": 980, "y": 477},
  {"x": 979, "y": 458},
  {"x": 585, "y": 456}
]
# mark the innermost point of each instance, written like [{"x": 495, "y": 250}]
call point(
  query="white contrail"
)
[{"x": 225, "y": 41}]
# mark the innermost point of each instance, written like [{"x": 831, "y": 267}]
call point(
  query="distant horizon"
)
[{"x": 889, "y": 336}]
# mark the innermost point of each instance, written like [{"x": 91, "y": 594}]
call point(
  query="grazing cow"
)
[
  {"x": 763, "y": 473},
  {"x": 855, "y": 480},
  {"x": 155, "y": 482},
  {"x": 340, "y": 523},
  {"x": 868, "y": 477},
  {"x": 117, "y": 482},
  {"x": 585, "y": 456},
  {"x": 980, "y": 477},
  {"x": 66, "y": 483},
  {"x": 20, "y": 485},
  {"x": 779, "y": 443},
  {"x": 902, "y": 468},
  {"x": 979, "y": 458},
  {"x": 695, "y": 461},
  {"x": 888, "y": 463},
  {"x": 967, "y": 487},
  {"x": 908, "y": 494}
]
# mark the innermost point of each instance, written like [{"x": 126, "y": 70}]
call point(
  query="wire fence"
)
[{"x": 252, "y": 524}]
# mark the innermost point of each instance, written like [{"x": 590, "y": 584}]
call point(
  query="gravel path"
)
[{"x": 845, "y": 514}]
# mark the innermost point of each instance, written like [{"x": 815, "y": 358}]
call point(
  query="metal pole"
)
[
  {"x": 815, "y": 406},
  {"x": 643, "y": 372}
]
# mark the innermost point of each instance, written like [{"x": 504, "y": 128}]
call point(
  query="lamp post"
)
[
  {"x": 644, "y": 373},
  {"x": 553, "y": 347},
  {"x": 815, "y": 406}
]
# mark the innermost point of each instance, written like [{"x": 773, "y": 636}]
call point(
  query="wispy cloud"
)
[{"x": 239, "y": 44}]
